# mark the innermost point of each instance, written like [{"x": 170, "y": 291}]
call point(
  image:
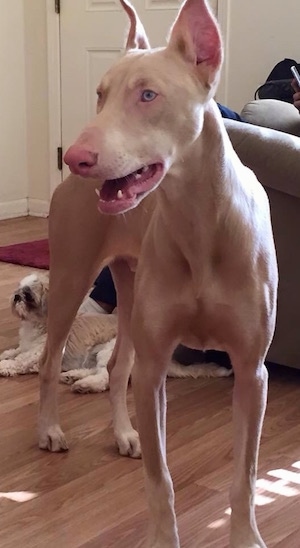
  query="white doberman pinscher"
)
[{"x": 206, "y": 273}]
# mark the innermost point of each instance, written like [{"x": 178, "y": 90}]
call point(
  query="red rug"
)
[{"x": 34, "y": 254}]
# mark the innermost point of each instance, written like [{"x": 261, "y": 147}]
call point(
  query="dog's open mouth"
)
[{"x": 119, "y": 195}]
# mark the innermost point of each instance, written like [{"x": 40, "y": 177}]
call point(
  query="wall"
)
[
  {"x": 24, "y": 147},
  {"x": 35, "y": 30},
  {"x": 260, "y": 33},
  {"x": 13, "y": 153}
]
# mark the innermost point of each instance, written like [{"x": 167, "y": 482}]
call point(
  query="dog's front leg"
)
[
  {"x": 249, "y": 403},
  {"x": 26, "y": 362},
  {"x": 10, "y": 354},
  {"x": 149, "y": 384}
]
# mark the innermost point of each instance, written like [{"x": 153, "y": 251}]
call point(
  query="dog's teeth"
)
[
  {"x": 119, "y": 194},
  {"x": 137, "y": 175},
  {"x": 97, "y": 192}
]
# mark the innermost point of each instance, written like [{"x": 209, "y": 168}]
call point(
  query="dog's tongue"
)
[
  {"x": 120, "y": 195},
  {"x": 126, "y": 187}
]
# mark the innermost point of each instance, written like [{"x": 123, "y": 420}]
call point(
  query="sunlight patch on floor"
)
[
  {"x": 279, "y": 487},
  {"x": 282, "y": 484},
  {"x": 286, "y": 476},
  {"x": 19, "y": 496},
  {"x": 218, "y": 523}
]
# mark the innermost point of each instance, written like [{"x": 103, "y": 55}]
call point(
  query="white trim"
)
[
  {"x": 23, "y": 208},
  {"x": 224, "y": 19},
  {"x": 38, "y": 208},
  {"x": 54, "y": 93},
  {"x": 15, "y": 208}
]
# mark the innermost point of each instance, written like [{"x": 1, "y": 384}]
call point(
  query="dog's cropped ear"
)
[
  {"x": 137, "y": 37},
  {"x": 195, "y": 36}
]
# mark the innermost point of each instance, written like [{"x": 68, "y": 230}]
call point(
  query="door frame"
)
[
  {"x": 54, "y": 92},
  {"x": 224, "y": 20},
  {"x": 54, "y": 81}
]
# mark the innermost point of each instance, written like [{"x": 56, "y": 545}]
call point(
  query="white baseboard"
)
[
  {"x": 38, "y": 208},
  {"x": 24, "y": 207},
  {"x": 16, "y": 208}
]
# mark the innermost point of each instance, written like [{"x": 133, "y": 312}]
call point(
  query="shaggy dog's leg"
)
[
  {"x": 73, "y": 375},
  {"x": 27, "y": 362},
  {"x": 91, "y": 380},
  {"x": 104, "y": 355},
  {"x": 197, "y": 370},
  {"x": 86, "y": 380},
  {"x": 93, "y": 383},
  {"x": 10, "y": 354}
]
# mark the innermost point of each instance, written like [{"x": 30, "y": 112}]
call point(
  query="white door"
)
[{"x": 92, "y": 37}]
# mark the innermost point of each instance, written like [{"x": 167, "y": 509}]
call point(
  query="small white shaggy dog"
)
[{"x": 88, "y": 347}]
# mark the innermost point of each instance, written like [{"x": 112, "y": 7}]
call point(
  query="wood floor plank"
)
[{"x": 93, "y": 498}]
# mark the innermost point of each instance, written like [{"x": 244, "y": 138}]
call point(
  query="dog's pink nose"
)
[{"x": 80, "y": 160}]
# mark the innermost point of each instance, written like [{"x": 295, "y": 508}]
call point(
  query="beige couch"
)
[
  {"x": 273, "y": 114},
  {"x": 275, "y": 158}
]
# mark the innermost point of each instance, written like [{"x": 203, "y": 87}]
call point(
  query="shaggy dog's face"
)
[{"x": 29, "y": 301}]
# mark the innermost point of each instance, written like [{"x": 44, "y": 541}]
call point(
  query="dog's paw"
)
[
  {"x": 129, "y": 444},
  {"x": 67, "y": 377},
  {"x": 53, "y": 439},
  {"x": 7, "y": 368},
  {"x": 92, "y": 384},
  {"x": 73, "y": 375},
  {"x": 8, "y": 354}
]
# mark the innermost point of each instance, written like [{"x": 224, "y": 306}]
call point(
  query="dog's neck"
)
[
  {"x": 204, "y": 170},
  {"x": 196, "y": 198},
  {"x": 31, "y": 329},
  {"x": 198, "y": 190}
]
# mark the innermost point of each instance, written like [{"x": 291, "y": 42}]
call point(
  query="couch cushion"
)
[
  {"x": 272, "y": 155},
  {"x": 273, "y": 114}
]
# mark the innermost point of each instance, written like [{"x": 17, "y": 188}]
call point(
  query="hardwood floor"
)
[{"x": 93, "y": 498}]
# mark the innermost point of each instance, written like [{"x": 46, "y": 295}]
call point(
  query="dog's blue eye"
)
[{"x": 148, "y": 95}]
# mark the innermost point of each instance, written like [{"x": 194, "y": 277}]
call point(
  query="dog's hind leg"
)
[
  {"x": 120, "y": 364},
  {"x": 76, "y": 233},
  {"x": 249, "y": 403}
]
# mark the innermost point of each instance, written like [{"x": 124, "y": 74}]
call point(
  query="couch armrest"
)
[
  {"x": 273, "y": 114},
  {"x": 272, "y": 155}
]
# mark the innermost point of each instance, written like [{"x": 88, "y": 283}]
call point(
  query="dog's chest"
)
[{"x": 30, "y": 334}]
